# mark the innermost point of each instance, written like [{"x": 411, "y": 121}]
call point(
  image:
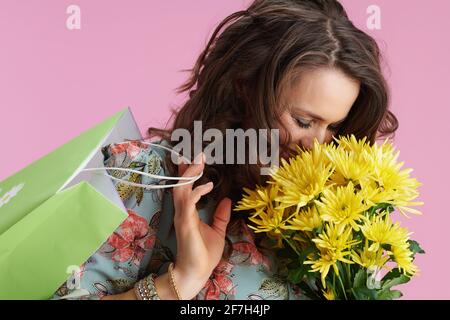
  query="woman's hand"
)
[{"x": 199, "y": 246}]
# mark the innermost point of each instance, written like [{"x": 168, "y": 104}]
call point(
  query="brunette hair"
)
[{"x": 238, "y": 79}]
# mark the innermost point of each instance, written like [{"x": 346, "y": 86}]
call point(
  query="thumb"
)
[{"x": 222, "y": 216}]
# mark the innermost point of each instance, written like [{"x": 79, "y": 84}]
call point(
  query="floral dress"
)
[{"x": 145, "y": 242}]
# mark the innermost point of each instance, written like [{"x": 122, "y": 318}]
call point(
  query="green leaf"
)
[
  {"x": 381, "y": 206},
  {"x": 308, "y": 291},
  {"x": 360, "y": 279},
  {"x": 415, "y": 247},
  {"x": 388, "y": 294},
  {"x": 362, "y": 293},
  {"x": 393, "y": 278},
  {"x": 372, "y": 210},
  {"x": 298, "y": 268},
  {"x": 304, "y": 254},
  {"x": 394, "y": 273},
  {"x": 318, "y": 230},
  {"x": 343, "y": 273},
  {"x": 389, "y": 283},
  {"x": 296, "y": 275}
]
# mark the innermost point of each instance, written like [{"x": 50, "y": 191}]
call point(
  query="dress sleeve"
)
[{"x": 124, "y": 257}]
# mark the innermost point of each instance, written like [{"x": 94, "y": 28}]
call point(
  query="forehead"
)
[{"x": 326, "y": 92}]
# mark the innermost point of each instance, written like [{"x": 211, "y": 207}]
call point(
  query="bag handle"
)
[{"x": 189, "y": 180}]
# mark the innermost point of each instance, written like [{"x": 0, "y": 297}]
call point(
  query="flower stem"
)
[
  {"x": 349, "y": 273},
  {"x": 290, "y": 244},
  {"x": 342, "y": 285}
]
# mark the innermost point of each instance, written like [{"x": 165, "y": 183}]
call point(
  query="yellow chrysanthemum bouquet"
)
[{"x": 328, "y": 212}]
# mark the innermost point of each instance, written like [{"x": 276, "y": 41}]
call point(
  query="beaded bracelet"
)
[
  {"x": 172, "y": 281},
  {"x": 145, "y": 289}
]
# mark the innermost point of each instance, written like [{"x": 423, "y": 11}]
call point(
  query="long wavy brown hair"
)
[{"x": 238, "y": 79}]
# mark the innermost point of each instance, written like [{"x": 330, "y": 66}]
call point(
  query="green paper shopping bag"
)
[{"x": 54, "y": 214}]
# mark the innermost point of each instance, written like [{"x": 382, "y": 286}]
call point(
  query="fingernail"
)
[{"x": 198, "y": 157}]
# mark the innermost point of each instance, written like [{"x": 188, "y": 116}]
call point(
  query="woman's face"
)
[{"x": 317, "y": 104}]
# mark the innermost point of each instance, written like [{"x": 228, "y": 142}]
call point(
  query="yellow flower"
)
[
  {"x": 349, "y": 160},
  {"x": 319, "y": 153},
  {"x": 403, "y": 257},
  {"x": 333, "y": 245},
  {"x": 351, "y": 144},
  {"x": 328, "y": 259},
  {"x": 349, "y": 167},
  {"x": 367, "y": 258},
  {"x": 393, "y": 185},
  {"x": 270, "y": 220},
  {"x": 381, "y": 230},
  {"x": 259, "y": 199},
  {"x": 329, "y": 294},
  {"x": 306, "y": 220},
  {"x": 335, "y": 238},
  {"x": 300, "y": 180},
  {"x": 342, "y": 206}
]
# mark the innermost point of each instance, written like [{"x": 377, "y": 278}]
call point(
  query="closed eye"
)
[
  {"x": 303, "y": 123},
  {"x": 306, "y": 124}
]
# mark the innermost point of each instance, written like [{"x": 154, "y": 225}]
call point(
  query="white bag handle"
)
[{"x": 189, "y": 180}]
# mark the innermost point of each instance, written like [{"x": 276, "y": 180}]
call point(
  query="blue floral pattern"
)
[{"x": 145, "y": 242}]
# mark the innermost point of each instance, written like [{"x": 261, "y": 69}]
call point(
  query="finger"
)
[
  {"x": 222, "y": 216},
  {"x": 200, "y": 191},
  {"x": 193, "y": 170},
  {"x": 182, "y": 167},
  {"x": 196, "y": 167}
]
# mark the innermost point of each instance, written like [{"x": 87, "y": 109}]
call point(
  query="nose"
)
[{"x": 321, "y": 135}]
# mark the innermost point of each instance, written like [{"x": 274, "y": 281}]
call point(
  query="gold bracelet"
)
[{"x": 172, "y": 281}]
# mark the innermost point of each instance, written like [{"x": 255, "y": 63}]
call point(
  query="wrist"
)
[{"x": 188, "y": 285}]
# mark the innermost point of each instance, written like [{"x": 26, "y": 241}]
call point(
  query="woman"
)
[{"x": 299, "y": 66}]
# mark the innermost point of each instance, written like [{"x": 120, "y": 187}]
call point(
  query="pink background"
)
[{"x": 55, "y": 83}]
